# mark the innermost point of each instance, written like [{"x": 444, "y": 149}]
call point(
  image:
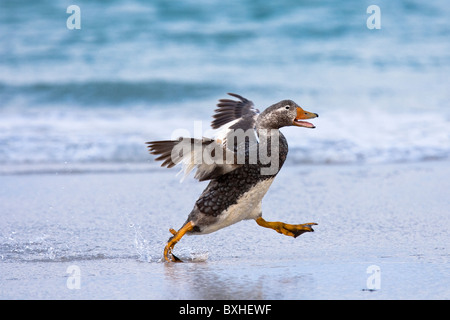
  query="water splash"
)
[{"x": 141, "y": 244}]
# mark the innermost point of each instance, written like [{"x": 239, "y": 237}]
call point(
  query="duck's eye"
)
[{"x": 287, "y": 107}]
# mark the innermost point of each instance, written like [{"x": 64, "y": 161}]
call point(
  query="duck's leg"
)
[
  {"x": 168, "y": 255},
  {"x": 293, "y": 230}
]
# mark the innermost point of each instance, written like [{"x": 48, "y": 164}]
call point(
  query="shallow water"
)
[
  {"x": 113, "y": 228},
  {"x": 79, "y": 190}
]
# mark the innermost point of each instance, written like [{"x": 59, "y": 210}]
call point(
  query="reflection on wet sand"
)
[{"x": 216, "y": 281}]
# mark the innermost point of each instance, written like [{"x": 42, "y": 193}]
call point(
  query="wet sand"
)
[{"x": 112, "y": 227}]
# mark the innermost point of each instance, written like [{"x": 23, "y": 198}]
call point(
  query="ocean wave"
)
[
  {"x": 106, "y": 93},
  {"x": 85, "y": 137},
  {"x": 96, "y": 95}
]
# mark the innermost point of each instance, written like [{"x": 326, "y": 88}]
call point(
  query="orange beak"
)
[{"x": 302, "y": 114}]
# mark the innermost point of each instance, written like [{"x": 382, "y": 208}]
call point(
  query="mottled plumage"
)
[{"x": 241, "y": 163}]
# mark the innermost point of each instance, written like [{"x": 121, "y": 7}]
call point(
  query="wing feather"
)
[
  {"x": 210, "y": 158},
  {"x": 213, "y": 157},
  {"x": 229, "y": 110}
]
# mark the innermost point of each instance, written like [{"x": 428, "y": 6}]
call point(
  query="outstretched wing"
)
[
  {"x": 214, "y": 157},
  {"x": 231, "y": 110},
  {"x": 210, "y": 158},
  {"x": 236, "y": 118}
]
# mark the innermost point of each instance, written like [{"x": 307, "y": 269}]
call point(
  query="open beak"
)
[{"x": 302, "y": 114}]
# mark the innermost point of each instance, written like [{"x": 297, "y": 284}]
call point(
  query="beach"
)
[
  {"x": 85, "y": 210},
  {"x": 111, "y": 227}
]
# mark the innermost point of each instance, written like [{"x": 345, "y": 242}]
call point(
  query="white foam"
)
[{"x": 119, "y": 136}]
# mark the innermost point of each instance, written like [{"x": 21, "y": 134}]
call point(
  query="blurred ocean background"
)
[
  {"x": 138, "y": 70},
  {"x": 87, "y": 100}
]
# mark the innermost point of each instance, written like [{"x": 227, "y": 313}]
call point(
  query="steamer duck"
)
[{"x": 241, "y": 163}]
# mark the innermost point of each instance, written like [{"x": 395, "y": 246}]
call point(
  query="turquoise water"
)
[
  {"x": 87, "y": 100},
  {"x": 138, "y": 70}
]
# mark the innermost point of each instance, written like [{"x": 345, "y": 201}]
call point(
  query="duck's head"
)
[{"x": 283, "y": 114}]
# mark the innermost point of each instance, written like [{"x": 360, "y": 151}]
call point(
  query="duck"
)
[{"x": 240, "y": 162}]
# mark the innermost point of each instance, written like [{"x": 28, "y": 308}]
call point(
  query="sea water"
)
[
  {"x": 78, "y": 104},
  {"x": 136, "y": 71}
]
